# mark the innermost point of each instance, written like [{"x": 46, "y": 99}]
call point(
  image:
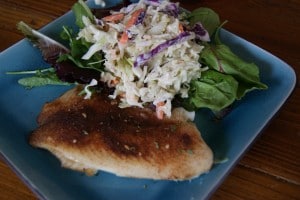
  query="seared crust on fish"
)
[{"x": 95, "y": 134}]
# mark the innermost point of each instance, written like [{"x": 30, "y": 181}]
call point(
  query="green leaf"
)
[
  {"x": 30, "y": 71},
  {"x": 31, "y": 82},
  {"x": 222, "y": 59},
  {"x": 217, "y": 39},
  {"x": 27, "y": 31},
  {"x": 213, "y": 90},
  {"x": 40, "y": 78},
  {"x": 95, "y": 63},
  {"x": 80, "y": 9},
  {"x": 208, "y": 18},
  {"x": 67, "y": 33},
  {"x": 78, "y": 47}
]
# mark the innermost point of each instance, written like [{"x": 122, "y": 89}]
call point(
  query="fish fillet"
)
[{"x": 95, "y": 134}]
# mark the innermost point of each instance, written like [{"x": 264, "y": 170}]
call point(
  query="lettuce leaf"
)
[
  {"x": 213, "y": 90},
  {"x": 208, "y": 18},
  {"x": 220, "y": 58},
  {"x": 229, "y": 77}
]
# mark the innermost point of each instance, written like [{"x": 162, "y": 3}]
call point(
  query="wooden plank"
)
[
  {"x": 48, "y": 8},
  {"x": 8, "y": 24},
  {"x": 278, "y": 158},
  {"x": 246, "y": 183},
  {"x": 11, "y": 187}
]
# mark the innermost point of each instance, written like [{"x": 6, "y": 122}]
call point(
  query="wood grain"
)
[
  {"x": 271, "y": 168},
  {"x": 11, "y": 187}
]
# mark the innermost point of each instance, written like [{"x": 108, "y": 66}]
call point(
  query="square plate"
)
[{"x": 228, "y": 138}]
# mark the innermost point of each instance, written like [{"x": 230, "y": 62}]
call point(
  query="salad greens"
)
[
  {"x": 236, "y": 77},
  {"x": 41, "y": 77},
  {"x": 220, "y": 58},
  {"x": 208, "y": 18},
  {"x": 80, "y": 9},
  {"x": 227, "y": 79},
  {"x": 77, "y": 49},
  {"x": 214, "y": 90}
]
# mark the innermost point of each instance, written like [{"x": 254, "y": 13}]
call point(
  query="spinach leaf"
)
[
  {"x": 208, "y": 18},
  {"x": 212, "y": 90},
  {"x": 219, "y": 57}
]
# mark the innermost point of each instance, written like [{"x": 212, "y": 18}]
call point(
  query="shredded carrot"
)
[
  {"x": 115, "y": 81},
  {"x": 159, "y": 112},
  {"x": 180, "y": 26},
  {"x": 134, "y": 17},
  {"x": 124, "y": 38},
  {"x": 114, "y": 18}
]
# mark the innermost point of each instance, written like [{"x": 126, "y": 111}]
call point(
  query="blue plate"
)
[{"x": 228, "y": 138}]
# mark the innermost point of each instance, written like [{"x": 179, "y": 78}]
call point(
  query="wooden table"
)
[{"x": 271, "y": 168}]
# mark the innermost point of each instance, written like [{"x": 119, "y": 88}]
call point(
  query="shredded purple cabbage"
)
[
  {"x": 143, "y": 58},
  {"x": 201, "y": 32},
  {"x": 99, "y": 22},
  {"x": 141, "y": 18},
  {"x": 130, "y": 35},
  {"x": 172, "y": 9},
  {"x": 152, "y": 2}
]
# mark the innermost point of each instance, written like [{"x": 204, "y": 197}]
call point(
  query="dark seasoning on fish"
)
[{"x": 128, "y": 142}]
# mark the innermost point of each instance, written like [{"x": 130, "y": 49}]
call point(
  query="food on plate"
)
[
  {"x": 151, "y": 60},
  {"x": 96, "y": 134},
  {"x": 152, "y": 51}
]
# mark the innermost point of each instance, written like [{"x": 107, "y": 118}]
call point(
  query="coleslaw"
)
[{"x": 156, "y": 62}]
